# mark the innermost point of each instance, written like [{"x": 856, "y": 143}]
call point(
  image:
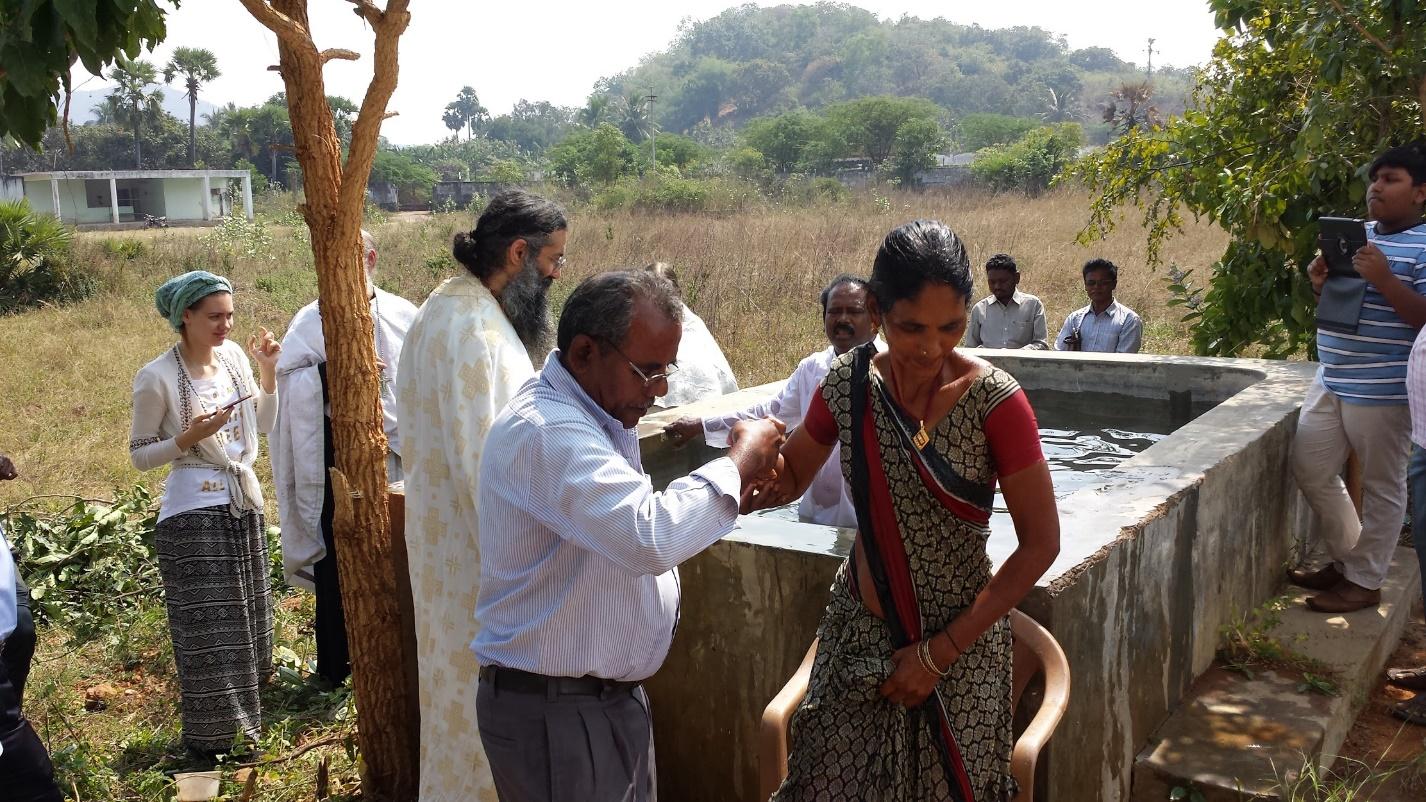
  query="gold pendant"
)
[{"x": 920, "y": 439}]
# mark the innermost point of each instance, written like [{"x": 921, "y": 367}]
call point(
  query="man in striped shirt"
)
[
  {"x": 579, "y": 593},
  {"x": 1358, "y": 400}
]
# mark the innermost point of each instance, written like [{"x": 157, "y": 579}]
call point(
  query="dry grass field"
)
[{"x": 753, "y": 276}]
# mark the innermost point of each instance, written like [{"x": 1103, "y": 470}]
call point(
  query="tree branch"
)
[
  {"x": 1351, "y": 20},
  {"x": 284, "y": 26},
  {"x": 338, "y": 53},
  {"x": 368, "y": 11},
  {"x": 389, "y": 26}
]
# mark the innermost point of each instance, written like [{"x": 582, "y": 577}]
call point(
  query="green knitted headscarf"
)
[{"x": 181, "y": 292}]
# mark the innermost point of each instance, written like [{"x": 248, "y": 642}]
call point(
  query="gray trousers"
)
[{"x": 551, "y": 747}]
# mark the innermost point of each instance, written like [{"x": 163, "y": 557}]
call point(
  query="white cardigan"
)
[{"x": 158, "y": 420}]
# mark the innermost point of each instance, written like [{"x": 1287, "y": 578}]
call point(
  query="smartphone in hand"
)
[{"x": 234, "y": 403}]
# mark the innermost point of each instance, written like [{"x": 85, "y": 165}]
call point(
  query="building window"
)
[
  {"x": 125, "y": 196},
  {"x": 96, "y": 194}
]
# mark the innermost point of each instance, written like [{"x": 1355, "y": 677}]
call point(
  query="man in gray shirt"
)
[{"x": 1007, "y": 318}]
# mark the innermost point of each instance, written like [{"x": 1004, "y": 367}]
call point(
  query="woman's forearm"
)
[{"x": 1011, "y": 584}]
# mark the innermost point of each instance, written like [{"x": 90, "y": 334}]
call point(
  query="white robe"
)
[
  {"x": 703, "y": 371},
  {"x": 298, "y": 444},
  {"x": 461, "y": 364}
]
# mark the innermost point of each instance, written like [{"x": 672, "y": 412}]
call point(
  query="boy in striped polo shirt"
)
[{"x": 1358, "y": 400}]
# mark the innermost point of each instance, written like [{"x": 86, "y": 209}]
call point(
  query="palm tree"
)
[
  {"x": 467, "y": 108},
  {"x": 132, "y": 96},
  {"x": 198, "y": 67}
]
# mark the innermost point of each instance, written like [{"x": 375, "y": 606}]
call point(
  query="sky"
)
[{"x": 556, "y": 49}]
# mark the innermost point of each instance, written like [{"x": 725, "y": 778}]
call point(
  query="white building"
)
[{"x": 87, "y": 197}]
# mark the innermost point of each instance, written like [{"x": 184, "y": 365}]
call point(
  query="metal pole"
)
[{"x": 653, "y": 134}]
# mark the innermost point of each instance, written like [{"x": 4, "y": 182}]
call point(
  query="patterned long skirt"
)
[
  {"x": 215, "y": 579},
  {"x": 849, "y": 744}
]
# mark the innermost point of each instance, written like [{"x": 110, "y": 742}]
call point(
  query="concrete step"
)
[{"x": 1235, "y": 737}]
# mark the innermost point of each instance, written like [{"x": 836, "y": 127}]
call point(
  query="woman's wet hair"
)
[{"x": 914, "y": 255}]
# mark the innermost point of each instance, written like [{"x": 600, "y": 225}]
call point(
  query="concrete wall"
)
[
  {"x": 183, "y": 198},
  {"x": 1195, "y": 528}
]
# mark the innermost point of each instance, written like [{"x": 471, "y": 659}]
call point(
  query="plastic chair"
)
[{"x": 1036, "y": 652}]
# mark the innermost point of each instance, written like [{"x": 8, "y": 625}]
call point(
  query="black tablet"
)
[{"x": 1339, "y": 238}]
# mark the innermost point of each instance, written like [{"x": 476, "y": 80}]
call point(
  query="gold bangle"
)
[
  {"x": 923, "y": 655},
  {"x": 931, "y": 661}
]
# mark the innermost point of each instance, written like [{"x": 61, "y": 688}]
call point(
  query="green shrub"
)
[
  {"x": 34, "y": 261},
  {"x": 1032, "y": 162},
  {"x": 128, "y": 249}
]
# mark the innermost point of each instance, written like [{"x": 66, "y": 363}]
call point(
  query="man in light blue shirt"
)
[
  {"x": 26, "y": 774},
  {"x": 1105, "y": 325},
  {"x": 579, "y": 592}
]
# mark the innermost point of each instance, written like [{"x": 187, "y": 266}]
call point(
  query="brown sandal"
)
[{"x": 1412, "y": 711}]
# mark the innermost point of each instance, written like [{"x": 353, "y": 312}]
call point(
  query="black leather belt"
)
[{"x": 513, "y": 679}]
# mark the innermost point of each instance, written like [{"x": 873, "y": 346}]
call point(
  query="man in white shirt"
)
[
  {"x": 703, "y": 370},
  {"x": 465, "y": 357},
  {"x": 1007, "y": 317},
  {"x": 579, "y": 593},
  {"x": 301, "y": 453},
  {"x": 1105, "y": 325},
  {"x": 847, "y": 324},
  {"x": 26, "y": 774}
]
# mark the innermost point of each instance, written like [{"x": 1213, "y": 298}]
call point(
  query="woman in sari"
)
[{"x": 909, "y": 697}]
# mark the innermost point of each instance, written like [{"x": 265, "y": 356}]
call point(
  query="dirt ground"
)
[{"x": 1386, "y": 743}]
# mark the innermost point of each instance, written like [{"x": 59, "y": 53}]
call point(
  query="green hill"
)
[{"x": 749, "y": 62}]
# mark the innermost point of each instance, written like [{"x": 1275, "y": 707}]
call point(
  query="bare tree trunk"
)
[
  {"x": 192, "y": 128},
  {"x": 387, "y": 709}
]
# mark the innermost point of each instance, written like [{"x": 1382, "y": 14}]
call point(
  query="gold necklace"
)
[{"x": 922, "y": 437}]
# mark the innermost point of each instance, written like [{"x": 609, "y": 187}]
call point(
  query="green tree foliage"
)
[
  {"x": 1030, "y": 163},
  {"x": 870, "y": 125},
  {"x": 413, "y": 180},
  {"x": 532, "y": 127},
  {"x": 1297, "y": 99},
  {"x": 41, "y": 39},
  {"x": 982, "y": 130},
  {"x": 600, "y": 156},
  {"x": 917, "y": 143},
  {"x": 783, "y": 140},
  {"x": 133, "y": 101},
  {"x": 196, "y": 67}
]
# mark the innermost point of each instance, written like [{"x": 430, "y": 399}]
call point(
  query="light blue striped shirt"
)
[
  {"x": 1369, "y": 367},
  {"x": 1115, "y": 330},
  {"x": 578, "y": 553}
]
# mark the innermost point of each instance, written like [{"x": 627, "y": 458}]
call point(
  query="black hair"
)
[
  {"x": 1410, "y": 157},
  {"x": 1101, "y": 264},
  {"x": 916, "y": 254},
  {"x": 1002, "y": 261},
  {"x": 602, "y": 306},
  {"x": 844, "y": 278},
  {"x": 511, "y": 215}
]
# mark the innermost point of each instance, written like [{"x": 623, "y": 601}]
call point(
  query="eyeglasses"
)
[
  {"x": 649, "y": 381},
  {"x": 560, "y": 263}
]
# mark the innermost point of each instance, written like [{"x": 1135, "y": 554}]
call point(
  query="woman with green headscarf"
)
[{"x": 197, "y": 408}]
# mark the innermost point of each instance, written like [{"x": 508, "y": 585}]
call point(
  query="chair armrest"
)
[
  {"x": 772, "y": 737},
  {"x": 1052, "y": 708}
]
